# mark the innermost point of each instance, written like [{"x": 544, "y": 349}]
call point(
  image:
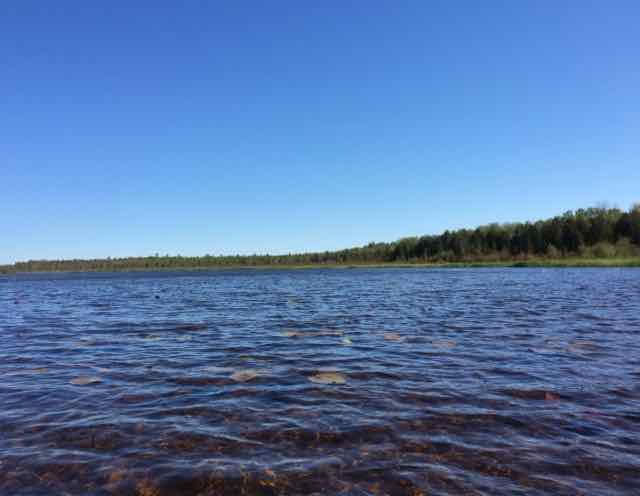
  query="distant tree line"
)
[{"x": 592, "y": 232}]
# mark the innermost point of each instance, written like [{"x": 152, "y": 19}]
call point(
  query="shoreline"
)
[{"x": 573, "y": 262}]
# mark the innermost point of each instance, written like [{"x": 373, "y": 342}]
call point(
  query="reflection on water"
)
[{"x": 398, "y": 382}]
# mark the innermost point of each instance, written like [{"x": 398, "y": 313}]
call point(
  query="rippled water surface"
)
[{"x": 354, "y": 382}]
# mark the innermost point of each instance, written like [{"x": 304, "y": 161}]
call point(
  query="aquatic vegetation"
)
[
  {"x": 443, "y": 343},
  {"x": 291, "y": 334},
  {"x": 85, "y": 380},
  {"x": 580, "y": 346},
  {"x": 246, "y": 375},
  {"x": 461, "y": 405},
  {"x": 308, "y": 334},
  {"x": 328, "y": 378}
]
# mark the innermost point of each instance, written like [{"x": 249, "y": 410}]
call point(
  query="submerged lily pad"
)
[
  {"x": 444, "y": 344},
  {"x": 290, "y": 334},
  {"x": 393, "y": 336},
  {"x": 328, "y": 378},
  {"x": 191, "y": 327},
  {"x": 309, "y": 334},
  {"x": 85, "y": 380},
  {"x": 576, "y": 346},
  {"x": 248, "y": 374}
]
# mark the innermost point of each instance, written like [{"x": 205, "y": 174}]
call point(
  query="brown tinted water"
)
[{"x": 353, "y": 382}]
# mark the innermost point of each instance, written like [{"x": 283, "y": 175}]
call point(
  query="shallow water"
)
[{"x": 478, "y": 381}]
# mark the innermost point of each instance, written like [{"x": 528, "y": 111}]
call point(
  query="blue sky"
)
[{"x": 130, "y": 128}]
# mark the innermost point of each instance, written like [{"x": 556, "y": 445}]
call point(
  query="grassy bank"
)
[
  {"x": 555, "y": 262},
  {"x": 532, "y": 262}
]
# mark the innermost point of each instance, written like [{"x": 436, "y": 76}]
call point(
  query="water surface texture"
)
[{"x": 352, "y": 382}]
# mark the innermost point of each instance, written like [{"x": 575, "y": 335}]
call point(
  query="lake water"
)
[{"x": 478, "y": 381}]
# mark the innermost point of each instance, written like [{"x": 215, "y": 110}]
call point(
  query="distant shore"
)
[
  {"x": 567, "y": 262},
  {"x": 592, "y": 237}
]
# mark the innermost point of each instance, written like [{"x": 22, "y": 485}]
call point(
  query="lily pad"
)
[
  {"x": 309, "y": 334},
  {"x": 576, "y": 346},
  {"x": 444, "y": 344},
  {"x": 85, "y": 380},
  {"x": 328, "y": 378},
  {"x": 248, "y": 374},
  {"x": 290, "y": 334},
  {"x": 347, "y": 341}
]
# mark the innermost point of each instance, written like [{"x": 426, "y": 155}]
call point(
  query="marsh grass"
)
[{"x": 566, "y": 262}]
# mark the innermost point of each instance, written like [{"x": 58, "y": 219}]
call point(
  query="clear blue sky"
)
[{"x": 130, "y": 128}]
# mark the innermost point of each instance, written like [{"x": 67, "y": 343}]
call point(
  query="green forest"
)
[{"x": 596, "y": 234}]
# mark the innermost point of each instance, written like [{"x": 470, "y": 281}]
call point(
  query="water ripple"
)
[{"x": 364, "y": 382}]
